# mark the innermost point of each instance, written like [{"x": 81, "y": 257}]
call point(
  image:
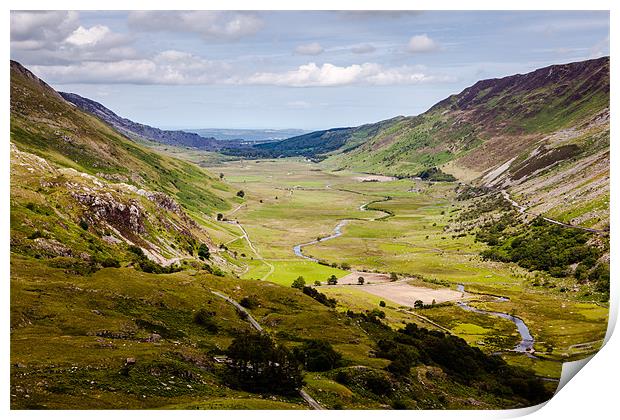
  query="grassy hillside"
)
[
  {"x": 122, "y": 339},
  {"x": 43, "y": 123},
  {"x": 543, "y": 135},
  {"x": 82, "y": 194}
]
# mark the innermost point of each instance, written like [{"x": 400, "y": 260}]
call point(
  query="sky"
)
[{"x": 295, "y": 69}]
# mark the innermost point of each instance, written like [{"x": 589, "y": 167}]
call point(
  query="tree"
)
[
  {"x": 317, "y": 283},
  {"x": 382, "y": 303},
  {"x": 203, "y": 252},
  {"x": 298, "y": 283},
  {"x": 240, "y": 194},
  {"x": 220, "y": 216},
  {"x": 258, "y": 364},
  {"x": 317, "y": 355},
  {"x": 393, "y": 276},
  {"x": 418, "y": 304},
  {"x": 345, "y": 266},
  {"x": 332, "y": 280},
  {"x": 221, "y": 176},
  {"x": 360, "y": 280}
]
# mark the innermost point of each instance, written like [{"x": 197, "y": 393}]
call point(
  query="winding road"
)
[
  {"x": 314, "y": 404},
  {"x": 523, "y": 210}
]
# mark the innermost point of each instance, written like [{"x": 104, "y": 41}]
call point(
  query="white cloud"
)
[
  {"x": 209, "y": 24},
  {"x": 363, "y": 49},
  {"x": 91, "y": 36},
  {"x": 422, "y": 43},
  {"x": 311, "y": 75},
  {"x": 166, "y": 68},
  {"x": 314, "y": 48},
  {"x": 181, "y": 68},
  {"x": 35, "y": 29},
  {"x": 48, "y": 38}
]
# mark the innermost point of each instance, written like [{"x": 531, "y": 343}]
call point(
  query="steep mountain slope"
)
[
  {"x": 81, "y": 192},
  {"x": 543, "y": 135},
  {"x": 142, "y": 131}
]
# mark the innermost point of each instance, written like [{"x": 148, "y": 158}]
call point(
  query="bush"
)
[
  {"x": 240, "y": 194},
  {"x": 203, "y": 252},
  {"x": 382, "y": 304},
  {"x": 110, "y": 262},
  {"x": 204, "y": 318},
  {"x": 317, "y": 356},
  {"x": 83, "y": 224},
  {"x": 250, "y": 302}
]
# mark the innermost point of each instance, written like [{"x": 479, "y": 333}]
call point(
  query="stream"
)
[
  {"x": 527, "y": 341},
  {"x": 336, "y": 232}
]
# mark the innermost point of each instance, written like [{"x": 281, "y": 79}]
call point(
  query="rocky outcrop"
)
[
  {"x": 104, "y": 207},
  {"x": 52, "y": 247}
]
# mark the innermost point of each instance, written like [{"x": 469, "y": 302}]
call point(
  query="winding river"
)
[
  {"x": 338, "y": 230},
  {"x": 527, "y": 341}
]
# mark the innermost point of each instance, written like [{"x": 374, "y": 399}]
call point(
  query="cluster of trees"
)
[
  {"x": 411, "y": 346},
  {"x": 258, "y": 364},
  {"x": 319, "y": 297},
  {"x": 546, "y": 247},
  {"x": 435, "y": 174}
]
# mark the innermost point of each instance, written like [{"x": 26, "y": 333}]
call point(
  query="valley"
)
[
  {"x": 309, "y": 272},
  {"x": 405, "y": 230}
]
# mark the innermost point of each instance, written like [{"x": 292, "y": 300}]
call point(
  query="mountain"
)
[
  {"x": 543, "y": 135},
  {"x": 141, "y": 131},
  {"x": 82, "y": 193}
]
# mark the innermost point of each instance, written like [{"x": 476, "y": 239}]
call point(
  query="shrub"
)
[
  {"x": 250, "y": 302},
  {"x": 83, "y": 224},
  {"x": 319, "y": 297},
  {"x": 204, "y": 318},
  {"x": 203, "y": 252},
  {"x": 317, "y": 355}
]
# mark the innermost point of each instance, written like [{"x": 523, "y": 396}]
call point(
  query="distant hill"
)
[
  {"x": 141, "y": 131},
  {"x": 248, "y": 135},
  {"x": 315, "y": 144}
]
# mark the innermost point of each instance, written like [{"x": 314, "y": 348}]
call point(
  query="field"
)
[{"x": 401, "y": 227}]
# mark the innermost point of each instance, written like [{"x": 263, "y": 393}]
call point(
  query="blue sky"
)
[{"x": 307, "y": 70}]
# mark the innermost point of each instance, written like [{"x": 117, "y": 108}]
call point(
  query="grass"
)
[{"x": 71, "y": 335}]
